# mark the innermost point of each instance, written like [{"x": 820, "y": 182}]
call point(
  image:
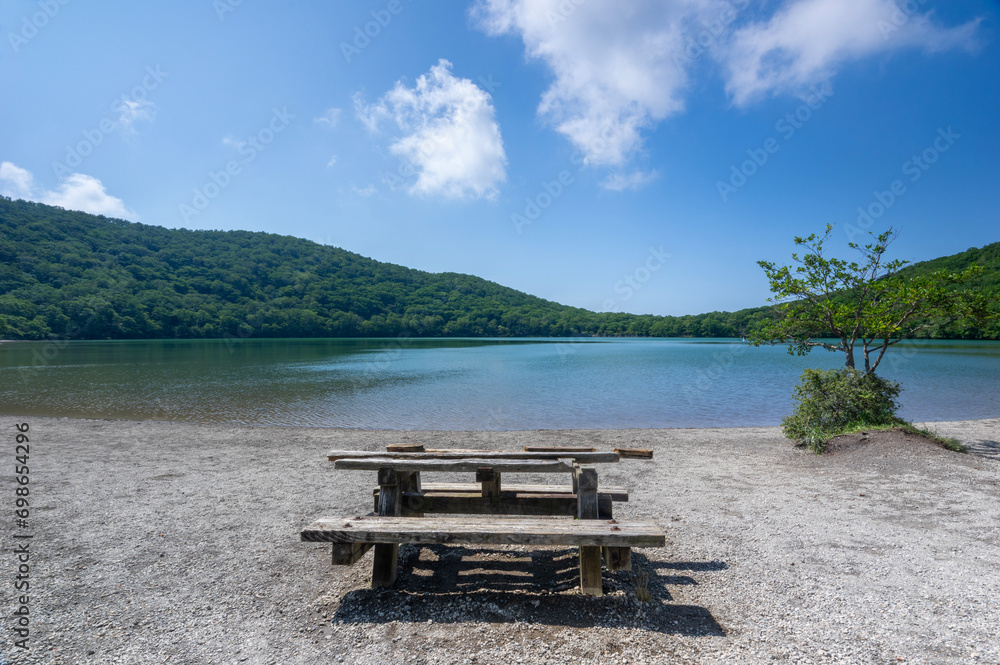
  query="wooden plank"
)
[
  {"x": 460, "y": 465},
  {"x": 590, "y": 557},
  {"x": 484, "y": 531},
  {"x": 635, "y": 453},
  {"x": 616, "y": 493},
  {"x": 559, "y": 449},
  {"x": 347, "y": 554},
  {"x": 587, "y": 493},
  {"x": 405, "y": 447},
  {"x": 464, "y": 451},
  {"x": 618, "y": 558},
  {"x": 508, "y": 503},
  {"x": 386, "y": 564},
  {"x": 583, "y": 457},
  {"x": 590, "y": 571},
  {"x": 490, "y": 480},
  {"x": 409, "y": 481}
]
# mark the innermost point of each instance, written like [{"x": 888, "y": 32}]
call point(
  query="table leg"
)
[
  {"x": 615, "y": 558},
  {"x": 386, "y": 563},
  {"x": 409, "y": 481},
  {"x": 490, "y": 478},
  {"x": 590, "y": 556}
]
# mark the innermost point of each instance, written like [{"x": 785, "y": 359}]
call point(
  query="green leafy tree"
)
[{"x": 866, "y": 303}]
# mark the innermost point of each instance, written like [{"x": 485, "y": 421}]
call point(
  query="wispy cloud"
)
[
  {"x": 616, "y": 71},
  {"x": 132, "y": 110},
  {"x": 233, "y": 142},
  {"x": 366, "y": 191},
  {"x": 76, "y": 192},
  {"x": 619, "y": 182},
  {"x": 446, "y": 128},
  {"x": 330, "y": 118},
  {"x": 805, "y": 42}
]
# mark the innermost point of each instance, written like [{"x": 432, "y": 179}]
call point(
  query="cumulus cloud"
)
[
  {"x": 76, "y": 192},
  {"x": 447, "y": 131},
  {"x": 805, "y": 42},
  {"x": 15, "y": 182},
  {"x": 619, "y": 68},
  {"x": 615, "y": 64}
]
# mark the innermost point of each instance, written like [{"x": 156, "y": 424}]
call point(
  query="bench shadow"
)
[{"x": 455, "y": 584}]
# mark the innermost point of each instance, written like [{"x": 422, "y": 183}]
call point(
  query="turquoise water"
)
[{"x": 466, "y": 384}]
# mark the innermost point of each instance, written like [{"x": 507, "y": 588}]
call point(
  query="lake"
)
[{"x": 466, "y": 384}]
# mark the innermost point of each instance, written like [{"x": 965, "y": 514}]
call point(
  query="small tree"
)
[{"x": 868, "y": 303}]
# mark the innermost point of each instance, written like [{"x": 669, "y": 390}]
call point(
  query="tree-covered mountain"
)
[{"x": 73, "y": 275}]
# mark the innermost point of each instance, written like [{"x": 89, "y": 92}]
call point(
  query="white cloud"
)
[
  {"x": 333, "y": 160},
  {"x": 131, "y": 110},
  {"x": 614, "y": 64},
  {"x": 330, "y": 118},
  {"x": 449, "y": 133},
  {"x": 620, "y": 68},
  {"x": 619, "y": 182},
  {"x": 366, "y": 191},
  {"x": 805, "y": 42},
  {"x": 76, "y": 192},
  {"x": 368, "y": 115},
  {"x": 86, "y": 193},
  {"x": 15, "y": 182}
]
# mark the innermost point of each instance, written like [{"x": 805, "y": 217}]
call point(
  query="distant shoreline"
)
[
  {"x": 403, "y": 338},
  {"x": 970, "y": 424}
]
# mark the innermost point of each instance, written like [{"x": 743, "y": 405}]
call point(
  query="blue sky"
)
[{"x": 635, "y": 157}]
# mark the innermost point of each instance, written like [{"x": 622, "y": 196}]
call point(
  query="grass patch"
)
[
  {"x": 945, "y": 442},
  {"x": 818, "y": 439}
]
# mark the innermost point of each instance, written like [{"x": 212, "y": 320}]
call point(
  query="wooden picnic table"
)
[{"x": 401, "y": 496}]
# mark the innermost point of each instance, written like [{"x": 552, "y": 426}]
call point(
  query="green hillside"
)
[{"x": 71, "y": 274}]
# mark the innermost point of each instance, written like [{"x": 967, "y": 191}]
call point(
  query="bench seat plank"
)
[
  {"x": 617, "y": 493},
  {"x": 506, "y": 503},
  {"x": 583, "y": 457},
  {"x": 485, "y": 531},
  {"x": 559, "y": 449},
  {"x": 461, "y": 465}
]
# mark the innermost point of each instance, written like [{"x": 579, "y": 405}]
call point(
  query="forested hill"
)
[
  {"x": 71, "y": 274},
  {"x": 90, "y": 277}
]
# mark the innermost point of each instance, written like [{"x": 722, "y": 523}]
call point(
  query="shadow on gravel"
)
[
  {"x": 989, "y": 449},
  {"x": 453, "y": 584},
  {"x": 693, "y": 566}
]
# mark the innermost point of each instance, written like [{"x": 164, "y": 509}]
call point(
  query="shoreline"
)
[
  {"x": 159, "y": 540},
  {"x": 963, "y": 425}
]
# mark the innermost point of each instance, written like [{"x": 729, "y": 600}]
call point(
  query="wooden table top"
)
[
  {"x": 460, "y": 464},
  {"x": 588, "y": 457}
]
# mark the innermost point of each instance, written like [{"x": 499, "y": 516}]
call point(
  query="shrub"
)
[{"x": 831, "y": 401}]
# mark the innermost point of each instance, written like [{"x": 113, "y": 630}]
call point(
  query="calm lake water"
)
[{"x": 466, "y": 384}]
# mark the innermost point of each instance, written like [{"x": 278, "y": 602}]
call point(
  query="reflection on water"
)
[{"x": 466, "y": 384}]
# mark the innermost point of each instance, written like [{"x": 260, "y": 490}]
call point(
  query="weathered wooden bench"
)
[
  {"x": 352, "y": 536},
  {"x": 402, "y": 500}
]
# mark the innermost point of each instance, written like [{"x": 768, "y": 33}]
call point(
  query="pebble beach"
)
[{"x": 158, "y": 542}]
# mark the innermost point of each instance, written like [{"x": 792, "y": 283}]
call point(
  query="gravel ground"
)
[{"x": 163, "y": 542}]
